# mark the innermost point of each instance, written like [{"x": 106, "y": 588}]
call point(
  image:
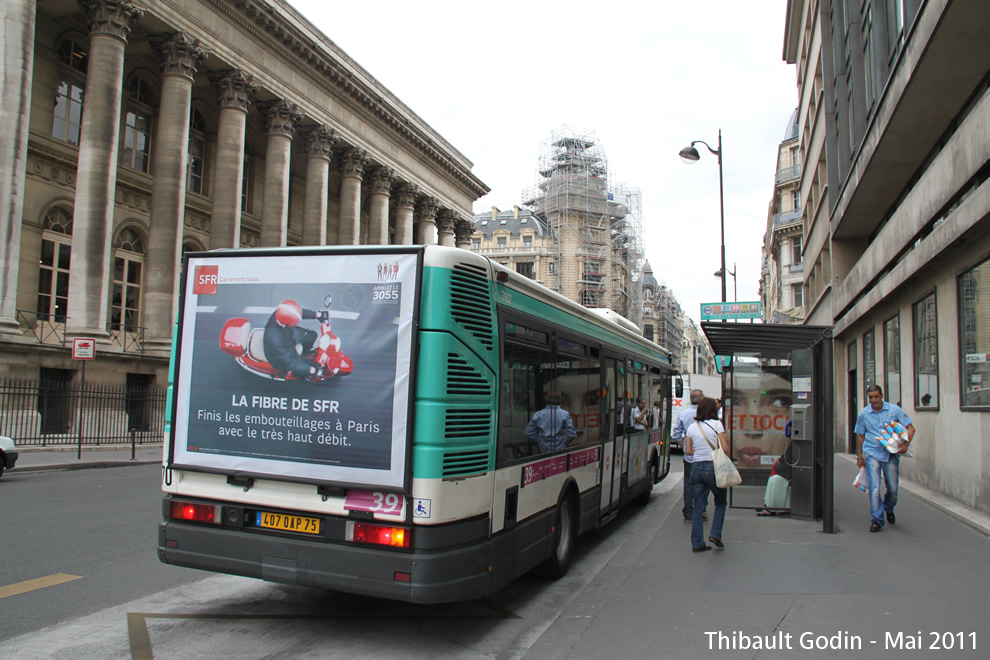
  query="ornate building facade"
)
[
  {"x": 136, "y": 131},
  {"x": 782, "y": 280},
  {"x": 516, "y": 239}
]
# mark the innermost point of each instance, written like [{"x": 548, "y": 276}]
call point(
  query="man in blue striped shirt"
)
[{"x": 875, "y": 457}]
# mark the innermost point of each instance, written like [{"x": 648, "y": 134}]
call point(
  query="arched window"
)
[
  {"x": 67, "y": 120},
  {"x": 136, "y": 148},
  {"x": 196, "y": 168},
  {"x": 53, "y": 275},
  {"x": 125, "y": 296}
]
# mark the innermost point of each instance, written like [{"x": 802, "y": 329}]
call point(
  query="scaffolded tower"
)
[{"x": 595, "y": 230}]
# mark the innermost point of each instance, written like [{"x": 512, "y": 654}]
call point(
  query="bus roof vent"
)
[
  {"x": 463, "y": 378},
  {"x": 471, "y": 302},
  {"x": 457, "y": 463}
]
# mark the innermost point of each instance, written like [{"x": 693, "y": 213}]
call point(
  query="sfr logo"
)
[{"x": 205, "y": 279}]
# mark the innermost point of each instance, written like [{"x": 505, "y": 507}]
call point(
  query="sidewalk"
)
[
  {"x": 64, "y": 457},
  {"x": 781, "y": 583}
]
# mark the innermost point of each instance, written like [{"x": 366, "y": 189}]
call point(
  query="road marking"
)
[{"x": 37, "y": 583}]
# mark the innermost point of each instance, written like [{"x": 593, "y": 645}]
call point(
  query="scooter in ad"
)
[{"x": 283, "y": 349}]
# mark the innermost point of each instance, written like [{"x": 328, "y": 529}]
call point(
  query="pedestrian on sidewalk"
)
[
  {"x": 685, "y": 420},
  {"x": 699, "y": 443},
  {"x": 875, "y": 457}
]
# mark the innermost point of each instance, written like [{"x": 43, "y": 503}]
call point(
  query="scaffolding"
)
[{"x": 595, "y": 250}]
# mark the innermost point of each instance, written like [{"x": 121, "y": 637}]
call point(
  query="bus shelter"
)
[{"x": 778, "y": 374}]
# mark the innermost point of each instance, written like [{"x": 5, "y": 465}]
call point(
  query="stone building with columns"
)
[{"x": 136, "y": 131}]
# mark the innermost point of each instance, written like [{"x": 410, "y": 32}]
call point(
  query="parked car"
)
[{"x": 8, "y": 454}]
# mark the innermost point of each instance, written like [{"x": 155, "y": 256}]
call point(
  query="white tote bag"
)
[{"x": 726, "y": 474}]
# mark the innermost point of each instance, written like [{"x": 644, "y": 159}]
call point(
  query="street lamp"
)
[
  {"x": 690, "y": 156},
  {"x": 735, "y": 293}
]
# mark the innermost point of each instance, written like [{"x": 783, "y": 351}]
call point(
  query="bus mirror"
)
[{"x": 679, "y": 387}]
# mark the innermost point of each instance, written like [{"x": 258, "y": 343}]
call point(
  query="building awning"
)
[{"x": 765, "y": 340}]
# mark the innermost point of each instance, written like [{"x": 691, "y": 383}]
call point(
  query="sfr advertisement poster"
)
[{"x": 297, "y": 366}]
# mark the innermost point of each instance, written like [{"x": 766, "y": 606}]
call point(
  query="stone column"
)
[
  {"x": 110, "y": 24},
  {"x": 380, "y": 180},
  {"x": 463, "y": 228},
  {"x": 16, "y": 72},
  {"x": 235, "y": 91},
  {"x": 445, "y": 227},
  {"x": 281, "y": 118},
  {"x": 352, "y": 166},
  {"x": 426, "y": 221},
  {"x": 405, "y": 203},
  {"x": 179, "y": 57},
  {"x": 319, "y": 142}
]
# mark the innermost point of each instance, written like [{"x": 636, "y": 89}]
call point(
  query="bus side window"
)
[
  {"x": 578, "y": 382},
  {"x": 524, "y": 376}
]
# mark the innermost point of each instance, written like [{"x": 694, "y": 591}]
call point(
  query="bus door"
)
[{"x": 615, "y": 402}]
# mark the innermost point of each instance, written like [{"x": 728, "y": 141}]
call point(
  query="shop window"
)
[
  {"x": 869, "y": 359},
  {"x": 974, "y": 334},
  {"x": 892, "y": 360},
  {"x": 925, "y": 353}
]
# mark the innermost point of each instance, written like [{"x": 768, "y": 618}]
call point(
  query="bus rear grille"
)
[
  {"x": 464, "y": 462},
  {"x": 462, "y": 378},
  {"x": 461, "y": 423},
  {"x": 471, "y": 302}
]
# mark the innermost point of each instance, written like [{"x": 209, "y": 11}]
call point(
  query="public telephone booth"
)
[{"x": 778, "y": 374}]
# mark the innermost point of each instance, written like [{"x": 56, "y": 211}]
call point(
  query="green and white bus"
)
[{"x": 388, "y": 455}]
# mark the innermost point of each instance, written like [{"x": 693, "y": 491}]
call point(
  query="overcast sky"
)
[{"x": 497, "y": 78}]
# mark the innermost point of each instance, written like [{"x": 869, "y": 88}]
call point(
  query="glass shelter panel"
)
[{"x": 757, "y": 408}]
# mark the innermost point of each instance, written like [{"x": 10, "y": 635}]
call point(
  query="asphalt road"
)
[{"x": 99, "y": 525}]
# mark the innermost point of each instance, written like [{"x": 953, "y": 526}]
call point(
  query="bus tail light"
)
[
  {"x": 394, "y": 537},
  {"x": 194, "y": 511}
]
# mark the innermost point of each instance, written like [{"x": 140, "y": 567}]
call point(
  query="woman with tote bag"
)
[{"x": 698, "y": 442}]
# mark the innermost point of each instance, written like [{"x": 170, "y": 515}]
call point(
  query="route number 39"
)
[{"x": 365, "y": 500}]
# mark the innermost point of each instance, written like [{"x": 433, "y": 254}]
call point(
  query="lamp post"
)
[
  {"x": 690, "y": 156},
  {"x": 735, "y": 292}
]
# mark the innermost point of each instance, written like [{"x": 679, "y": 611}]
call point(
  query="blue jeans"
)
[
  {"x": 703, "y": 480},
  {"x": 891, "y": 470},
  {"x": 688, "y": 510},
  {"x": 688, "y": 492}
]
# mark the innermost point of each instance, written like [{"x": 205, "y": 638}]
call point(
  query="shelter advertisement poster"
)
[{"x": 297, "y": 366}]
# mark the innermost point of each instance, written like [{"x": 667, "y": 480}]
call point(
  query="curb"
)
[{"x": 80, "y": 466}]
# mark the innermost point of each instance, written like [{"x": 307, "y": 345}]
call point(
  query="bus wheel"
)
[
  {"x": 564, "y": 533},
  {"x": 651, "y": 479}
]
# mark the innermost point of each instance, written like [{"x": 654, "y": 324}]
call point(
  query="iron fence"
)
[{"x": 45, "y": 413}]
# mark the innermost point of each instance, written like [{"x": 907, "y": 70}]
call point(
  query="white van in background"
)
[{"x": 710, "y": 385}]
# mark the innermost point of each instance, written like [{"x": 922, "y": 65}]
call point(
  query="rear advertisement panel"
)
[{"x": 297, "y": 366}]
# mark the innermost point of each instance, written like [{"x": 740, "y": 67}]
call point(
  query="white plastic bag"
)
[
  {"x": 860, "y": 481},
  {"x": 726, "y": 474}
]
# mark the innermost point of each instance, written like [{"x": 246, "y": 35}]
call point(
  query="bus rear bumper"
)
[{"x": 434, "y": 577}]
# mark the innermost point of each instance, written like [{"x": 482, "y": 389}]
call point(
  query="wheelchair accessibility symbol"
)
[{"x": 421, "y": 508}]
